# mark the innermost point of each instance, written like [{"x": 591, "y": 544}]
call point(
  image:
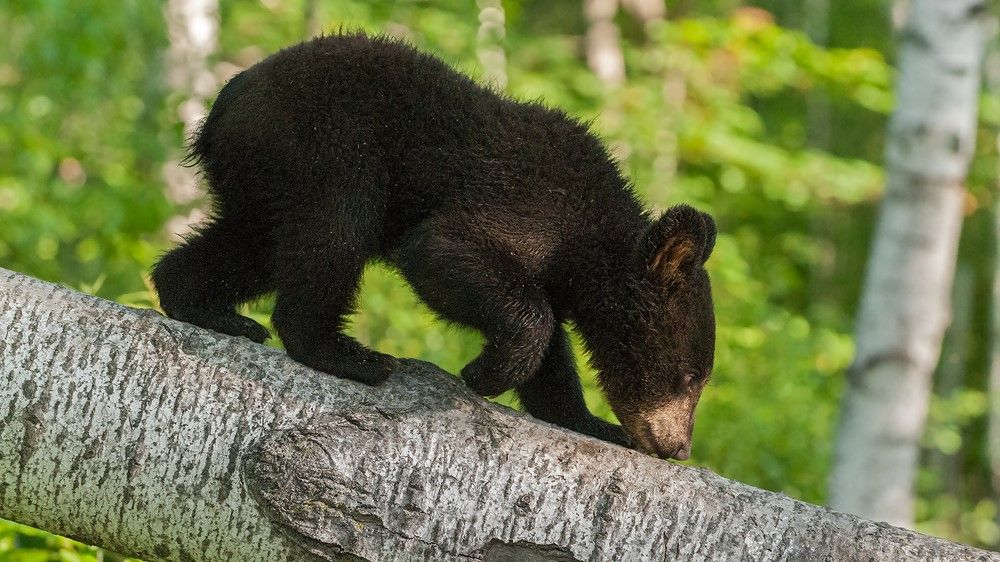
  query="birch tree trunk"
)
[
  {"x": 646, "y": 11},
  {"x": 160, "y": 440},
  {"x": 905, "y": 302},
  {"x": 651, "y": 13},
  {"x": 604, "y": 50},
  {"x": 193, "y": 30},
  {"x": 489, "y": 49},
  {"x": 310, "y": 19}
]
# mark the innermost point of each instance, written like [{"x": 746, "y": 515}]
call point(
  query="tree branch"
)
[{"x": 160, "y": 440}]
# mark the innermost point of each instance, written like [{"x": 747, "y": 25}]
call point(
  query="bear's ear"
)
[{"x": 680, "y": 241}]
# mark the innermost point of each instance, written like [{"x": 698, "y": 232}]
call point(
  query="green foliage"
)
[
  {"x": 81, "y": 106},
  {"x": 717, "y": 111},
  {"x": 24, "y": 544}
]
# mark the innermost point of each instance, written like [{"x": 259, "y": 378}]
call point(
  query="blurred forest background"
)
[{"x": 768, "y": 114}]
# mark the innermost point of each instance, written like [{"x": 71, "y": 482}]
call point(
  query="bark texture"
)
[
  {"x": 161, "y": 440},
  {"x": 905, "y": 304}
]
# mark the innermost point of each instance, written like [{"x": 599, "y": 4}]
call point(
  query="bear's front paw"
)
[
  {"x": 228, "y": 323},
  {"x": 238, "y": 325},
  {"x": 357, "y": 364},
  {"x": 369, "y": 367},
  {"x": 383, "y": 365},
  {"x": 486, "y": 380},
  {"x": 605, "y": 431}
]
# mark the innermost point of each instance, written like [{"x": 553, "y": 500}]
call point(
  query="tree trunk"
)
[
  {"x": 604, "y": 50},
  {"x": 160, "y": 440},
  {"x": 193, "y": 29},
  {"x": 646, "y": 11},
  {"x": 674, "y": 94},
  {"x": 311, "y": 25},
  {"x": 905, "y": 302},
  {"x": 489, "y": 49}
]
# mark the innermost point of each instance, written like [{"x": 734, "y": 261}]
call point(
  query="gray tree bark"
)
[
  {"x": 160, "y": 440},
  {"x": 905, "y": 303}
]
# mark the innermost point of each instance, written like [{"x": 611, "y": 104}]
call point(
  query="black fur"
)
[{"x": 507, "y": 217}]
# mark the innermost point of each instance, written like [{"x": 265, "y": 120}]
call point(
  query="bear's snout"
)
[
  {"x": 683, "y": 453},
  {"x": 668, "y": 447},
  {"x": 664, "y": 431}
]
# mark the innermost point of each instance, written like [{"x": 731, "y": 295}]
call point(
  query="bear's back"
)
[
  {"x": 353, "y": 116},
  {"x": 350, "y": 96}
]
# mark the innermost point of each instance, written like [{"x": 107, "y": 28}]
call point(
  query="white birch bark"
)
[
  {"x": 905, "y": 302},
  {"x": 489, "y": 49},
  {"x": 674, "y": 94},
  {"x": 311, "y": 19},
  {"x": 646, "y": 11},
  {"x": 160, "y": 440},
  {"x": 193, "y": 30},
  {"x": 604, "y": 50}
]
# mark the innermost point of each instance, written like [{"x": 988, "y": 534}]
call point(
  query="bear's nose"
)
[
  {"x": 662, "y": 432},
  {"x": 662, "y": 447},
  {"x": 682, "y": 453},
  {"x": 673, "y": 450}
]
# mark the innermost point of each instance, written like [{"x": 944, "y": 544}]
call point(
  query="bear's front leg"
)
[
  {"x": 555, "y": 395},
  {"x": 514, "y": 349},
  {"x": 466, "y": 280}
]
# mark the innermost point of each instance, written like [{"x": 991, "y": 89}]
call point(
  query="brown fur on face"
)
[
  {"x": 665, "y": 429},
  {"x": 665, "y": 347}
]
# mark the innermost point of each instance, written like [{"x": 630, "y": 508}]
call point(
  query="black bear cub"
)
[{"x": 507, "y": 217}]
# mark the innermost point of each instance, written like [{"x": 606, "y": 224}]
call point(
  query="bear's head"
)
[{"x": 666, "y": 345}]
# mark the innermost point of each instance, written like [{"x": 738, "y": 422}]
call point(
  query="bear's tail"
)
[{"x": 199, "y": 141}]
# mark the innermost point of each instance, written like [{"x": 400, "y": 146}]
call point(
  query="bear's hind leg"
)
[
  {"x": 219, "y": 267},
  {"x": 555, "y": 395}
]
